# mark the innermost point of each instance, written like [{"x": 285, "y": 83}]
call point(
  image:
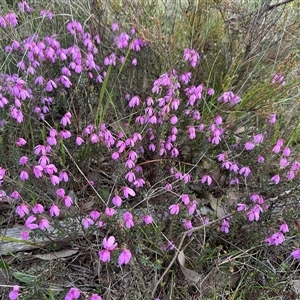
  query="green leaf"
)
[
  {"x": 4, "y": 265},
  {"x": 23, "y": 277}
]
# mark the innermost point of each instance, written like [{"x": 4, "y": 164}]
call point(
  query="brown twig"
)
[{"x": 179, "y": 248}]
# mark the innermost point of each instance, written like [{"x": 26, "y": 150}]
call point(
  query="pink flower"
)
[
  {"x": 260, "y": 159},
  {"x": 44, "y": 224},
  {"x": 207, "y": 179},
  {"x": 87, "y": 222},
  {"x": 245, "y": 171},
  {"x": 29, "y": 223},
  {"x": 185, "y": 199},
  {"x": 115, "y": 26},
  {"x": 192, "y": 132},
  {"x": 14, "y": 294},
  {"x": 22, "y": 210},
  {"x": 259, "y": 138},
  {"x": 272, "y": 118},
  {"x": 286, "y": 151},
  {"x": 275, "y": 179},
  {"x": 38, "y": 209},
  {"x": 117, "y": 201},
  {"x": 225, "y": 225},
  {"x": 241, "y": 207},
  {"x": 249, "y": 146},
  {"x": 21, "y": 142},
  {"x": 60, "y": 193},
  {"x": 128, "y": 192},
  {"x": 95, "y": 297},
  {"x": 94, "y": 215},
  {"x": 275, "y": 239},
  {"x": 68, "y": 201},
  {"x": 174, "y": 209},
  {"x": 73, "y": 293},
  {"x": 23, "y": 160},
  {"x": 192, "y": 207},
  {"x": 38, "y": 171},
  {"x": 104, "y": 255},
  {"x": 24, "y": 175},
  {"x": 187, "y": 224},
  {"x": 128, "y": 219},
  {"x": 296, "y": 254},
  {"x": 109, "y": 244},
  {"x": 109, "y": 211},
  {"x": 66, "y": 119},
  {"x": 253, "y": 214},
  {"x": 79, "y": 140},
  {"x": 148, "y": 219},
  {"x": 124, "y": 257},
  {"x": 130, "y": 176},
  {"x": 54, "y": 211},
  {"x": 54, "y": 179},
  {"x": 284, "y": 228}
]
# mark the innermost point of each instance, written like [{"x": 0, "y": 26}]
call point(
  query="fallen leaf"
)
[
  {"x": 189, "y": 274},
  {"x": 57, "y": 254},
  {"x": 296, "y": 286}
]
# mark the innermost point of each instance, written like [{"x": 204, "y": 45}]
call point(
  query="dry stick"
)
[{"x": 184, "y": 234}]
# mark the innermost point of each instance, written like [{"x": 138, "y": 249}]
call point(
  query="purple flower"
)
[
  {"x": 29, "y": 223},
  {"x": 124, "y": 257},
  {"x": 259, "y": 138},
  {"x": 148, "y": 219},
  {"x": 44, "y": 224},
  {"x": 225, "y": 225},
  {"x": 54, "y": 211},
  {"x": 116, "y": 200},
  {"x": 11, "y": 19},
  {"x": 122, "y": 40},
  {"x": 249, "y": 146},
  {"x": 128, "y": 192},
  {"x": 253, "y": 214},
  {"x": 14, "y": 294},
  {"x": 128, "y": 219},
  {"x": 109, "y": 244},
  {"x": 276, "y": 178},
  {"x": 95, "y": 297},
  {"x": 284, "y": 228},
  {"x": 46, "y": 14},
  {"x": 38, "y": 208},
  {"x": 191, "y": 56},
  {"x": 109, "y": 211},
  {"x": 260, "y": 159},
  {"x": 296, "y": 254},
  {"x": 272, "y": 118},
  {"x": 207, "y": 179},
  {"x": 286, "y": 151},
  {"x": 174, "y": 209},
  {"x": 275, "y": 239},
  {"x": 24, "y": 175},
  {"x": 115, "y": 26},
  {"x": 241, "y": 207},
  {"x": 22, "y": 210},
  {"x": 229, "y": 97},
  {"x": 87, "y": 222},
  {"x": 73, "y": 293},
  {"x": 245, "y": 171},
  {"x": 185, "y": 199}
]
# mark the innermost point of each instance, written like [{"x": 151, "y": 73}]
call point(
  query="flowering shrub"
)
[{"x": 153, "y": 149}]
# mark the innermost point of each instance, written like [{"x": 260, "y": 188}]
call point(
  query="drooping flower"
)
[
  {"x": 124, "y": 257},
  {"x": 14, "y": 294},
  {"x": 174, "y": 209},
  {"x": 296, "y": 254}
]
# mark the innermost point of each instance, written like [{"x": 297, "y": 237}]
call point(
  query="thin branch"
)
[{"x": 271, "y": 6}]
